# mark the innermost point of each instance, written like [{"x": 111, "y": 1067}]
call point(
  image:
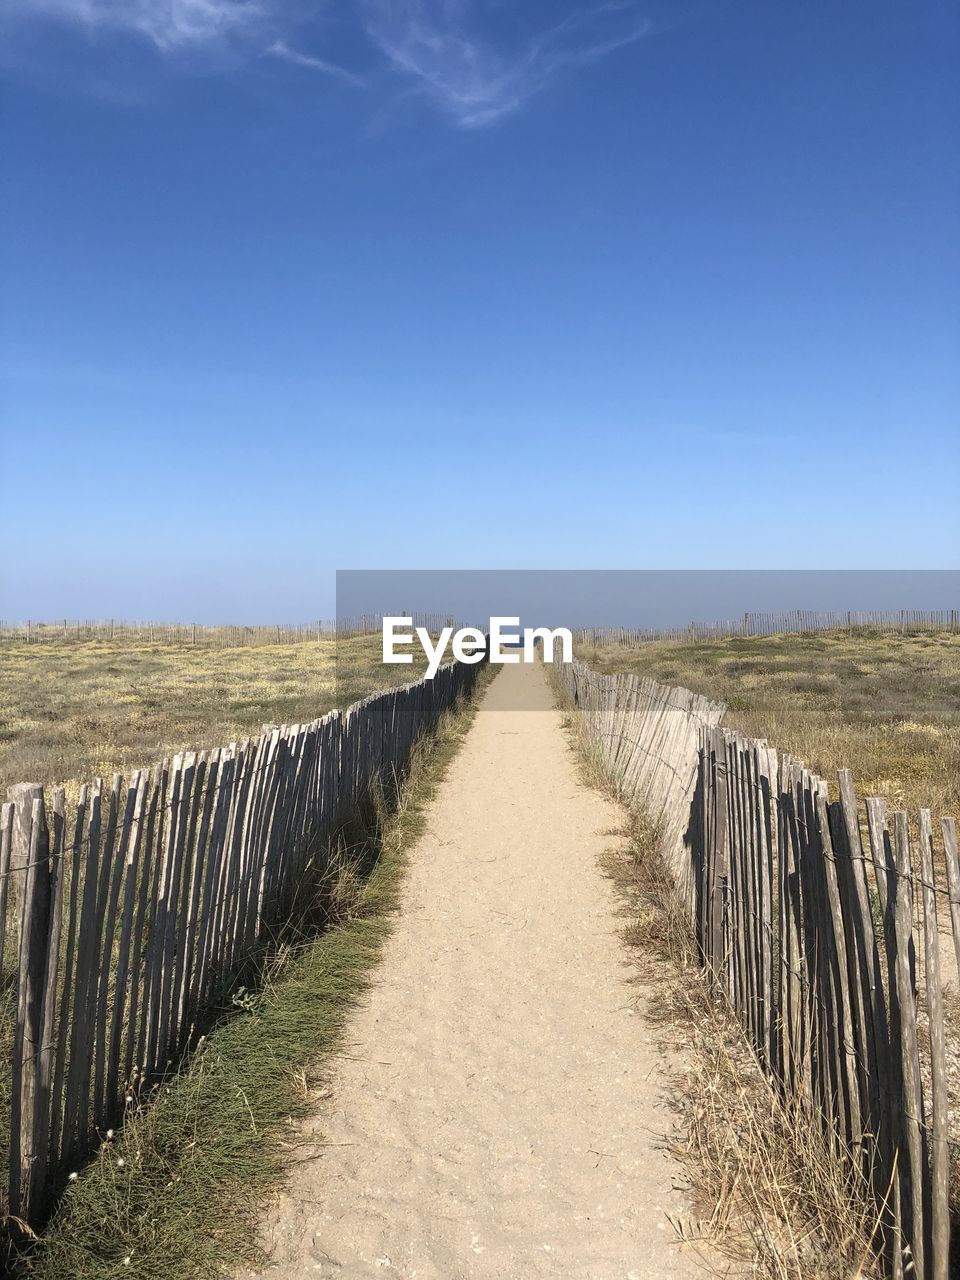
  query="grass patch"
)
[
  {"x": 771, "y": 1198},
  {"x": 178, "y": 1190},
  {"x": 886, "y": 706}
]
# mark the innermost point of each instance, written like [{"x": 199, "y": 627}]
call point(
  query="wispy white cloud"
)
[
  {"x": 280, "y": 49},
  {"x": 438, "y": 43},
  {"x": 169, "y": 24},
  {"x": 458, "y": 53}
]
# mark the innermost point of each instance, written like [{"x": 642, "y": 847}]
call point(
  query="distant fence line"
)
[
  {"x": 791, "y": 622},
  {"x": 818, "y": 923},
  {"x": 205, "y": 636},
  {"x": 137, "y": 906}
]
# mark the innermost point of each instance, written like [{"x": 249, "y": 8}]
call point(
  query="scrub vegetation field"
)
[
  {"x": 886, "y": 706},
  {"x": 71, "y": 710}
]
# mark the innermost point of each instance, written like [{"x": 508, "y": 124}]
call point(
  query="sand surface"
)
[{"x": 500, "y": 1107}]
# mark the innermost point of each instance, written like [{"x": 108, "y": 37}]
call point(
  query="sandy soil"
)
[{"x": 501, "y": 1106}]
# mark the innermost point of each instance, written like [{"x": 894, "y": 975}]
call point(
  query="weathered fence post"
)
[
  {"x": 21, "y": 796},
  {"x": 29, "y": 1110},
  {"x": 6, "y": 841},
  {"x": 938, "y": 1243}
]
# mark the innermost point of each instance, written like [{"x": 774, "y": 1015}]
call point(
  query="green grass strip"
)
[{"x": 178, "y": 1191}]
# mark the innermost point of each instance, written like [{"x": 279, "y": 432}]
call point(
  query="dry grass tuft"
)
[
  {"x": 771, "y": 1199},
  {"x": 771, "y": 1196}
]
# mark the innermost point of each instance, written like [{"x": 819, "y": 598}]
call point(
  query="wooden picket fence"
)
[
  {"x": 792, "y": 621},
  {"x": 818, "y": 921},
  {"x": 789, "y": 622},
  {"x": 200, "y": 635},
  {"x": 647, "y": 735},
  {"x": 134, "y": 908}
]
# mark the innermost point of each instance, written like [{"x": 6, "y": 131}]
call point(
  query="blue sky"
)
[{"x": 292, "y": 287}]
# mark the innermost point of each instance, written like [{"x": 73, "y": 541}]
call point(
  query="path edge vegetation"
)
[
  {"x": 770, "y": 1198},
  {"x": 179, "y": 1190}
]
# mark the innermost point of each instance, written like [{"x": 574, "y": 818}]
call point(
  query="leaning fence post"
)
[
  {"x": 939, "y": 1159},
  {"x": 912, "y": 1113},
  {"x": 28, "y": 1121}
]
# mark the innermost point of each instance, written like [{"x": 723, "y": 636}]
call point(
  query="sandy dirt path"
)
[{"x": 500, "y": 1107}]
